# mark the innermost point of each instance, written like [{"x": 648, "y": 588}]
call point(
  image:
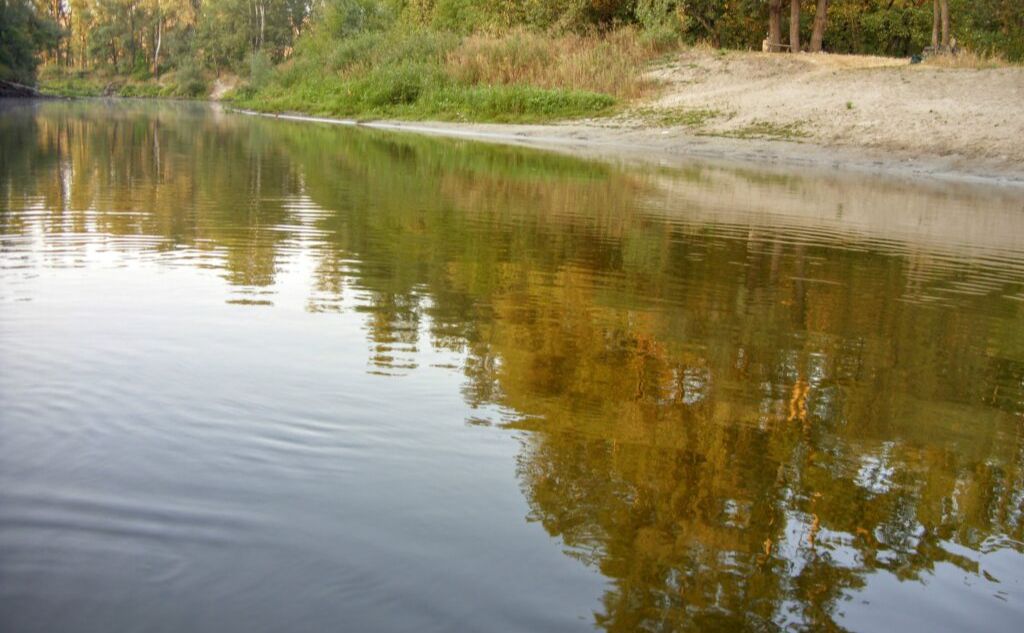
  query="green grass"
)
[
  {"x": 150, "y": 90},
  {"x": 59, "y": 82},
  {"x": 449, "y": 103},
  {"x": 428, "y": 74},
  {"x": 421, "y": 91},
  {"x": 71, "y": 86}
]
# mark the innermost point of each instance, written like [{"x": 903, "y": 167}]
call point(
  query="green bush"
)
[
  {"x": 398, "y": 84},
  {"x": 353, "y": 67},
  {"x": 354, "y": 49},
  {"x": 514, "y": 103},
  {"x": 59, "y": 81},
  {"x": 345, "y": 18},
  {"x": 460, "y": 16},
  {"x": 260, "y": 68},
  {"x": 141, "y": 90},
  {"x": 656, "y": 14},
  {"x": 188, "y": 82}
]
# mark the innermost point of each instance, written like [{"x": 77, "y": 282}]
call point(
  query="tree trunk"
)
[
  {"x": 936, "y": 21},
  {"x": 820, "y": 22},
  {"x": 945, "y": 24},
  {"x": 794, "y": 26},
  {"x": 263, "y": 21},
  {"x": 131, "y": 38},
  {"x": 156, "y": 51},
  {"x": 68, "y": 40},
  {"x": 774, "y": 25}
]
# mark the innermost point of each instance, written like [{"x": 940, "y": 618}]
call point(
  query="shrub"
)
[
  {"x": 260, "y": 68},
  {"x": 399, "y": 84},
  {"x": 140, "y": 90},
  {"x": 345, "y": 18},
  {"x": 410, "y": 71},
  {"x": 354, "y": 49},
  {"x": 516, "y": 103},
  {"x": 188, "y": 82}
]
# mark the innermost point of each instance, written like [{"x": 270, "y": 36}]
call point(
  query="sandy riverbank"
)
[
  {"x": 670, "y": 148},
  {"x": 814, "y": 112}
]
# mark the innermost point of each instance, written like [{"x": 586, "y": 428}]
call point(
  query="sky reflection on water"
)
[{"x": 259, "y": 375}]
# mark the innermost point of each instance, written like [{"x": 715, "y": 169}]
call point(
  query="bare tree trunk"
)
[
  {"x": 936, "y": 21},
  {"x": 945, "y": 24},
  {"x": 159, "y": 41},
  {"x": 67, "y": 41},
  {"x": 774, "y": 25},
  {"x": 131, "y": 37},
  {"x": 794, "y": 26},
  {"x": 263, "y": 21},
  {"x": 820, "y": 22}
]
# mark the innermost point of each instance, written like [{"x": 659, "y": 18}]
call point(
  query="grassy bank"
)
[
  {"x": 186, "y": 83},
  {"x": 419, "y": 73}
]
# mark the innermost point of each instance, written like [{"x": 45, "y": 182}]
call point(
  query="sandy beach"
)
[{"x": 815, "y": 112}]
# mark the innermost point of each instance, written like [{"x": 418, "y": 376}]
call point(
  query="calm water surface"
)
[{"x": 269, "y": 376}]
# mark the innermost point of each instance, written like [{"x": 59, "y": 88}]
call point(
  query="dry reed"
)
[{"x": 609, "y": 63}]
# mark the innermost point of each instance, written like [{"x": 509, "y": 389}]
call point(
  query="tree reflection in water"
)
[{"x": 744, "y": 395}]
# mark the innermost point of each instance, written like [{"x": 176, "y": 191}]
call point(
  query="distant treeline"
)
[{"x": 144, "y": 38}]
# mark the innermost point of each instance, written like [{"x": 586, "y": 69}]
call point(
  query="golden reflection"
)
[{"x": 737, "y": 415}]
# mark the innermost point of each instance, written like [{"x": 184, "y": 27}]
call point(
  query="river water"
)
[{"x": 259, "y": 375}]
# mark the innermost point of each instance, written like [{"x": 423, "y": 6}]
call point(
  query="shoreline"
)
[{"x": 672, "y": 147}]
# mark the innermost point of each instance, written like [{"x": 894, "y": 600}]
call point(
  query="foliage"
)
[
  {"x": 24, "y": 34},
  {"x": 187, "y": 82},
  {"x": 55, "y": 80},
  {"x": 260, "y": 68},
  {"x": 596, "y": 46},
  {"x": 585, "y": 62},
  {"x": 415, "y": 90},
  {"x": 392, "y": 69},
  {"x": 344, "y": 18}
]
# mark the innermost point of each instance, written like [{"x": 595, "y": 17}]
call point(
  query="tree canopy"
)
[
  {"x": 142, "y": 38},
  {"x": 24, "y": 33}
]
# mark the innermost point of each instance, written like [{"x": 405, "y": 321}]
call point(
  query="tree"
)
[
  {"x": 794, "y": 26},
  {"x": 158, "y": 37},
  {"x": 944, "y": 4},
  {"x": 24, "y": 35},
  {"x": 820, "y": 23},
  {"x": 774, "y": 25}
]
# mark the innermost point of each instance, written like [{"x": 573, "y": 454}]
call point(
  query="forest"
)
[{"x": 533, "y": 58}]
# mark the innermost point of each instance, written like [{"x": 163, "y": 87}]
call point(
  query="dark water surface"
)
[{"x": 269, "y": 376}]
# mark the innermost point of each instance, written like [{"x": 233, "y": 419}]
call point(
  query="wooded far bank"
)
[{"x": 479, "y": 59}]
